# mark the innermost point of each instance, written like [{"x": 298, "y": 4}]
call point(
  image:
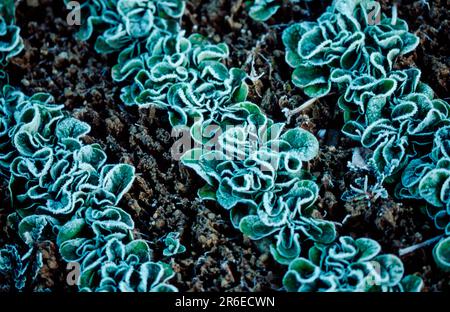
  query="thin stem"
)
[
  {"x": 283, "y": 25},
  {"x": 394, "y": 14},
  {"x": 410, "y": 249},
  {"x": 346, "y": 218},
  {"x": 289, "y": 113}
]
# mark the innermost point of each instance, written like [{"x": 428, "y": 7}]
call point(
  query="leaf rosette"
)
[
  {"x": 343, "y": 39},
  {"x": 258, "y": 174},
  {"x": 349, "y": 265},
  {"x": 185, "y": 76},
  {"x": 122, "y": 23}
]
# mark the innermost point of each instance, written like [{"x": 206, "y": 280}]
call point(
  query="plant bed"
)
[{"x": 163, "y": 197}]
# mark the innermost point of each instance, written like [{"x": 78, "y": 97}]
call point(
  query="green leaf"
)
[
  {"x": 118, "y": 179},
  {"x": 301, "y": 271},
  {"x": 254, "y": 228},
  {"x": 207, "y": 192},
  {"x": 412, "y": 283},
  {"x": 262, "y": 10},
  {"x": 431, "y": 184},
  {"x": 301, "y": 142},
  {"x": 71, "y": 128},
  {"x": 70, "y": 230},
  {"x": 367, "y": 249},
  {"x": 441, "y": 253}
]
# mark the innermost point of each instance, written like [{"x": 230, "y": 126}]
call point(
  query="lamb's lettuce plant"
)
[
  {"x": 123, "y": 267},
  {"x": 122, "y": 23},
  {"x": 185, "y": 76},
  {"x": 396, "y": 117},
  {"x": 11, "y": 43},
  {"x": 258, "y": 174},
  {"x": 173, "y": 245},
  {"x": 60, "y": 185},
  {"x": 9, "y": 98},
  {"x": 344, "y": 39},
  {"x": 16, "y": 270},
  {"x": 428, "y": 178},
  {"x": 349, "y": 266},
  {"x": 390, "y": 112}
]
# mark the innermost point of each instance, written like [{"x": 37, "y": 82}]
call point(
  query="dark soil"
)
[{"x": 163, "y": 199}]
